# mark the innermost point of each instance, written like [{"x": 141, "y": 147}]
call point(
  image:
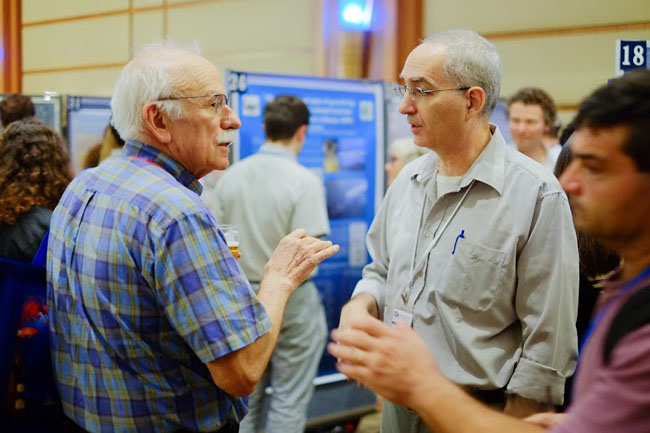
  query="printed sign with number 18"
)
[{"x": 632, "y": 55}]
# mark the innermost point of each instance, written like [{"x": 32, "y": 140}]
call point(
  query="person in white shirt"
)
[{"x": 268, "y": 195}]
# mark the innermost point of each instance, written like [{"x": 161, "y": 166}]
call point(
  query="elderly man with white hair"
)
[
  {"x": 400, "y": 152},
  {"x": 473, "y": 246},
  {"x": 154, "y": 325}
]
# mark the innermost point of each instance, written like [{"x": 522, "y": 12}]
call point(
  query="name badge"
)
[{"x": 403, "y": 316}]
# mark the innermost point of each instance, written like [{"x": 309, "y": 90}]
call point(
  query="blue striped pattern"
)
[{"x": 142, "y": 292}]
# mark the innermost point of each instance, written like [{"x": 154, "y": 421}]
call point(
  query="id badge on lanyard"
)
[
  {"x": 395, "y": 313},
  {"x": 404, "y": 311}
]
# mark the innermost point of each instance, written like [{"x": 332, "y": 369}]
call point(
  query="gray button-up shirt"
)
[{"x": 496, "y": 297}]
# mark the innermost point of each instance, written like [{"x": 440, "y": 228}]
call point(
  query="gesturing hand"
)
[
  {"x": 297, "y": 255},
  {"x": 393, "y": 361}
]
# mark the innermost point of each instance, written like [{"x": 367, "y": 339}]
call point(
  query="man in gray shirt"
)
[
  {"x": 268, "y": 195},
  {"x": 473, "y": 246}
]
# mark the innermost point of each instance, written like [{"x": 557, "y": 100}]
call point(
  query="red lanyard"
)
[{"x": 145, "y": 160}]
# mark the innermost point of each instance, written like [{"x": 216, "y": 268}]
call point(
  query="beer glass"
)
[{"x": 231, "y": 233}]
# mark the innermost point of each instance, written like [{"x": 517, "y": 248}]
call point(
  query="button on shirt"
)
[
  {"x": 496, "y": 298},
  {"x": 142, "y": 293}
]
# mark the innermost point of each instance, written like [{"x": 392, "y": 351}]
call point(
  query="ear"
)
[
  {"x": 475, "y": 101},
  {"x": 156, "y": 123},
  {"x": 301, "y": 134}
]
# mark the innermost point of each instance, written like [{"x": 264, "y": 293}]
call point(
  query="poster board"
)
[
  {"x": 344, "y": 147},
  {"x": 87, "y": 117}
]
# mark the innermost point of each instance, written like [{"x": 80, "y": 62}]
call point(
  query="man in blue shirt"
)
[{"x": 154, "y": 325}]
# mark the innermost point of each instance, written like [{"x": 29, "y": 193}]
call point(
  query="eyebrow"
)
[
  {"x": 586, "y": 157},
  {"x": 416, "y": 80}
]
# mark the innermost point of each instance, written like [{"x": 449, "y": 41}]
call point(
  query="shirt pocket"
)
[{"x": 473, "y": 276}]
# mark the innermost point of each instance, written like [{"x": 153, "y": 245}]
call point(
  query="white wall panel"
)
[
  {"x": 41, "y": 10},
  {"x": 97, "y": 40}
]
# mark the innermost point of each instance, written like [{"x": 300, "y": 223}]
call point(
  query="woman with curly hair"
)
[{"x": 34, "y": 172}]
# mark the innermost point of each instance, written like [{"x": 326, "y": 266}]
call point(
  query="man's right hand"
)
[
  {"x": 296, "y": 256},
  {"x": 361, "y": 305},
  {"x": 292, "y": 262}
]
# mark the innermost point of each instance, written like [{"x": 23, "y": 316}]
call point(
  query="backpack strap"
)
[
  {"x": 40, "y": 258},
  {"x": 634, "y": 314}
]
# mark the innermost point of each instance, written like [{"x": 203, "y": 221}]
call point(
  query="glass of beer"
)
[{"x": 231, "y": 233}]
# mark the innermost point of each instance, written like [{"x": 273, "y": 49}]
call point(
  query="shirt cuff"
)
[
  {"x": 377, "y": 291},
  {"x": 537, "y": 382}
]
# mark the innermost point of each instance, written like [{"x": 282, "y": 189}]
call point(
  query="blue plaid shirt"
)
[{"x": 142, "y": 293}]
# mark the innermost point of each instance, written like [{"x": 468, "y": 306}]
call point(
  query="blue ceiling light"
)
[{"x": 355, "y": 14}]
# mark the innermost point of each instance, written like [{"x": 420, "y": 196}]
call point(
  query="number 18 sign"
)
[{"x": 632, "y": 55}]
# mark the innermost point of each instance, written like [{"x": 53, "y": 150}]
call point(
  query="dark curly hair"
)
[{"x": 34, "y": 169}]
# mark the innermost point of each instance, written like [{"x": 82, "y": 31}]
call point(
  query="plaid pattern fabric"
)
[{"x": 142, "y": 292}]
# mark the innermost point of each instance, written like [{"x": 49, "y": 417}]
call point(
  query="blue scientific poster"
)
[
  {"x": 87, "y": 119},
  {"x": 344, "y": 147}
]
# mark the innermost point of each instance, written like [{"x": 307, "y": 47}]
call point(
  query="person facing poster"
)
[
  {"x": 268, "y": 195},
  {"x": 492, "y": 291},
  {"x": 154, "y": 326},
  {"x": 16, "y": 107}
]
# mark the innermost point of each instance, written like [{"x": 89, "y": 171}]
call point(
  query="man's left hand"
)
[{"x": 392, "y": 361}]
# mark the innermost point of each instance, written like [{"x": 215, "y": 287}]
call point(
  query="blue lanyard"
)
[{"x": 599, "y": 317}]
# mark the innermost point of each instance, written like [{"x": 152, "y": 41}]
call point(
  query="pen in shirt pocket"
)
[{"x": 461, "y": 235}]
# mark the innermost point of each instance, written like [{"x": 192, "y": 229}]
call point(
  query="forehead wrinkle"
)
[{"x": 197, "y": 76}]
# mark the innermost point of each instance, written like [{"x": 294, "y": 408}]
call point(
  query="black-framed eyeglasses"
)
[
  {"x": 417, "y": 93},
  {"x": 220, "y": 100}
]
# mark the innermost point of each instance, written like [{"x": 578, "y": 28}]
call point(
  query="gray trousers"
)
[
  {"x": 398, "y": 419},
  {"x": 292, "y": 367}
]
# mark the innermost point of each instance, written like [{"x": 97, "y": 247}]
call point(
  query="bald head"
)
[{"x": 470, "y": 61}]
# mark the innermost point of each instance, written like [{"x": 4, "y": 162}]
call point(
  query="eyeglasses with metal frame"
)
[
  {"x": 417, "y": 92},
  {"x": 220, "y": 100}
]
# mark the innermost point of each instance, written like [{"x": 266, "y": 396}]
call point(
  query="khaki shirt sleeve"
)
[{"x": 546, "y": 303}]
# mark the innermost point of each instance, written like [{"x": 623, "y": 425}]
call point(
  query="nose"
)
[
  {"x": 517, "y": 127},
  {"x": 406, "y": 104},
  {"x": 229, "y": 120},
  {"x": 569, "y": 181}
]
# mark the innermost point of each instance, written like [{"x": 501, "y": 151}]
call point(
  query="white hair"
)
[
  {"x": 406, "y": 150},
  {"x": 471, "y": 60},
  {"x": 147, "y": 77}
]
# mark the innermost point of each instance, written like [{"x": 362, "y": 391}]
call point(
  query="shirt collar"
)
[
  {"x": 137, "y": 150},
  {"x": 278, "y": 150},
  {"x": 489, "y": 167}
]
